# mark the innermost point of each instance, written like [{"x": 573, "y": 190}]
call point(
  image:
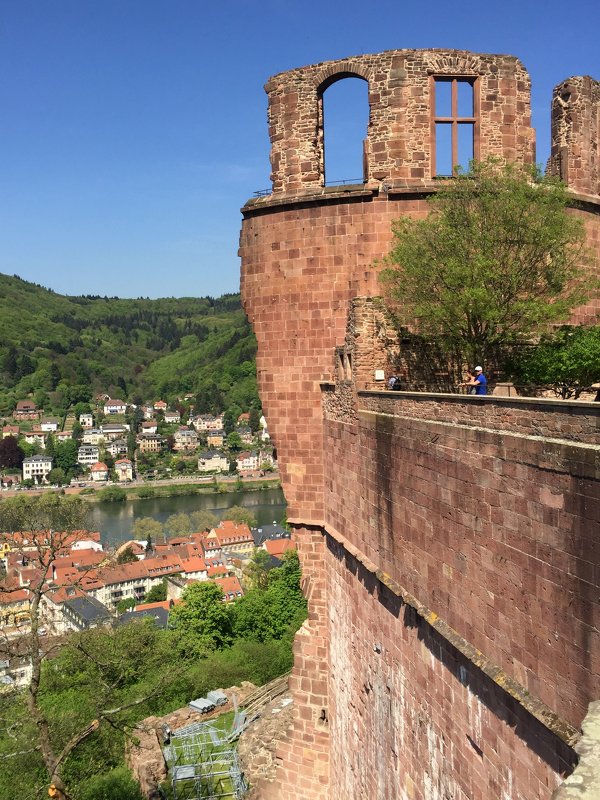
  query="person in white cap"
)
[{"x": 479, "y": 381}]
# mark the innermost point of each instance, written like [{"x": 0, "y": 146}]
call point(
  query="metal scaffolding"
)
[{"x": 204, "y": 765}]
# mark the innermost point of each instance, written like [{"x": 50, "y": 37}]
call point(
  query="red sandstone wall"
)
[
  {"x": 301, "y": 266},
  {"x": 497, "y": 534},
  {"x": 398, "y": 147},
  {"x": 417, "y": 721}
]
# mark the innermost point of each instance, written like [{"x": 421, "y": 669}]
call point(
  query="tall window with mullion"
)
[{"x": 454, "y": 124}]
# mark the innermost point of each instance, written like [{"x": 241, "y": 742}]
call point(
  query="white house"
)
[
  {"x": 93, "y": 436},
  {"x": 212, "y": 461},
  {"x": 124, "y": 469},
  {"x": 86, "y": 420},
  {"x": 172, "y": 417},
  {"x": 88, "y": 454},
  {"x": 115, "y": 407},
  {"x": 36, "y": 468},
  {"x": 117, "y": 447},
  {"x": 99, "y": 471},
  {"x": 248, "y": 461},
  {"x": 49, "y": 425},
  {"x": 114, "y": 430}
]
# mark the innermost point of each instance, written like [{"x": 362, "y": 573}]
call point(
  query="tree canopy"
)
[{"x": 498, "y": 258}]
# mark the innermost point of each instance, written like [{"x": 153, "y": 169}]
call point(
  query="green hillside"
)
[{"x": 60, "y": 349}]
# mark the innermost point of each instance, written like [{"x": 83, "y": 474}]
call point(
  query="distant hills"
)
[{"x": 56, "y": 348}]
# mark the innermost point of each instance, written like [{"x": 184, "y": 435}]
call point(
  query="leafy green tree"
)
[
  {"x": 276, "y": 611},
  {"x": 146, "y": 528},
  {"x": 497, "y": 259},
  {"x": 240, "y": 514},
  {"x": 113, "y": 494},
  {"x": 47, "y": 520},
  {"x": 126, "y": 604},
  {"x": 157, "y": 594},
  {"x": 11, "y": 454},
  {"x": 567, "y": 359},
  {"x": 234, "y": 441},
  {"x": 57, "y": 476},
  {"x": 126, "y": 556},
  {"x": 254, "y": 421},
  {"x": 202, "y": 622},
  {"x": 76, "y": 432},
  {"x": 178, "y": 525},
  {"x": 66, "y": 456},
  {"x": 50, "y": 446},
  {"x": 203, "y": 520},
  {"x": 258, "y": 569}
]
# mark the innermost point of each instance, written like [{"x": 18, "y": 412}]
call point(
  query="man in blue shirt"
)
[{"x": 480, "y": 381}]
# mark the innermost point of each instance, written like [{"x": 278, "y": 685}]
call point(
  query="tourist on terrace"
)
[{"x": 478, "y": 381}]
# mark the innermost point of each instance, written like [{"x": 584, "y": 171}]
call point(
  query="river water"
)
[{"x": 115, "y": 520}]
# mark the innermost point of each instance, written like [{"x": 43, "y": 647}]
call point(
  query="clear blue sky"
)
[{"x": 132, "y": 131}]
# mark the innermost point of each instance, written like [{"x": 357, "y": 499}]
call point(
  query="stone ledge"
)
[{"x": 548, "y": 403}]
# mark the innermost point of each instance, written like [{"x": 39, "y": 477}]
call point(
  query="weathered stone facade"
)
[{"x": 449, "y": 547}]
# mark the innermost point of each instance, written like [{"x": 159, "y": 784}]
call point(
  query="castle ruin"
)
[{"x": 450, "y": 545}]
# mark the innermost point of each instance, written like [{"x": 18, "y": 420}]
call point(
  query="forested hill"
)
[{"x": 54, "y": 346}]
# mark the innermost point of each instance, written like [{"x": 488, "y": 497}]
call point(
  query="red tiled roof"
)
[
  {"x": 166, "y": 604},
  {"x": 230, "y": 585},
  {"x": 99, "y": 466},
  {"x": 277, "y": 547}
]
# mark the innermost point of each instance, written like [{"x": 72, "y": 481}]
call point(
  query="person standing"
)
[{"x": 479, "y": 381}]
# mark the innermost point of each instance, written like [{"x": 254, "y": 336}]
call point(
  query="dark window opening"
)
[
  {"x": 345, "y": 123},
  {"x": 454, "y": 124}
]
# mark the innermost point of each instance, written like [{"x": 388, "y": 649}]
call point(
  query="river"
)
[{"x": 115, "y": 520}]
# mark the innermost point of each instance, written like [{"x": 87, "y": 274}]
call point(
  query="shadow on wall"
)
[{"x": 552, "y": 750}]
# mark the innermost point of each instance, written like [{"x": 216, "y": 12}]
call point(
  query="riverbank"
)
[{"x": 166, "y": 487}]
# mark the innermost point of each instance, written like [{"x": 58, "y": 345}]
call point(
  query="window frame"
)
[{"x": 455, "y": 120}]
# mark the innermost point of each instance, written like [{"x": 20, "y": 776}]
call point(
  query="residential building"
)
[
  {"x": 208, "y": 422},
  {"x": 277, "y": 547},
  {"x": 88, "y": 454},
  {"x": 232, "y": 588},
  {"x": 245, "y": 434},
  {"x": 248, "y": 461},
  {"x": 233, "y": 537},
  {"x": 35, "y": 437},
  {"x": 93, "y": 436},
  {"x": 213, "y": 461},
  {"x": 215, "y": 438},
  {"x": 150, "y": 442},
  {"x": 124, "y": 469},
  {"x": 160, "y": 405},
  {"x": 115, "y": 407},
  {"x": 63, "y": 436},
  {"x": 26, "y": 409},
  {"x": 114, "y": 430},
  {"x": 86, "y": 420},
  {"x": 49, "y": 424},
  {"x": 118, "y": 447},
  {"x": 186, "y": 439},
  {"x": 36, "y": 468},
  {"x": 99, "y": 472},
  {"x": 172, "y": 417},
  {"x": 10, "y": 430},
  {"x": 149, "y": 426}
]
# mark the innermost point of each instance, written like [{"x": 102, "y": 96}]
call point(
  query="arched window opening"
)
[{"x": 345, "y": 124}]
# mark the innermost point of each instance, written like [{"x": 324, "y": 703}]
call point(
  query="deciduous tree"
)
[{"x": 498, "y": 258}]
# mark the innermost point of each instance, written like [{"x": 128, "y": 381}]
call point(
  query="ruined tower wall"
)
[{"x": 307, "y": 251}]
